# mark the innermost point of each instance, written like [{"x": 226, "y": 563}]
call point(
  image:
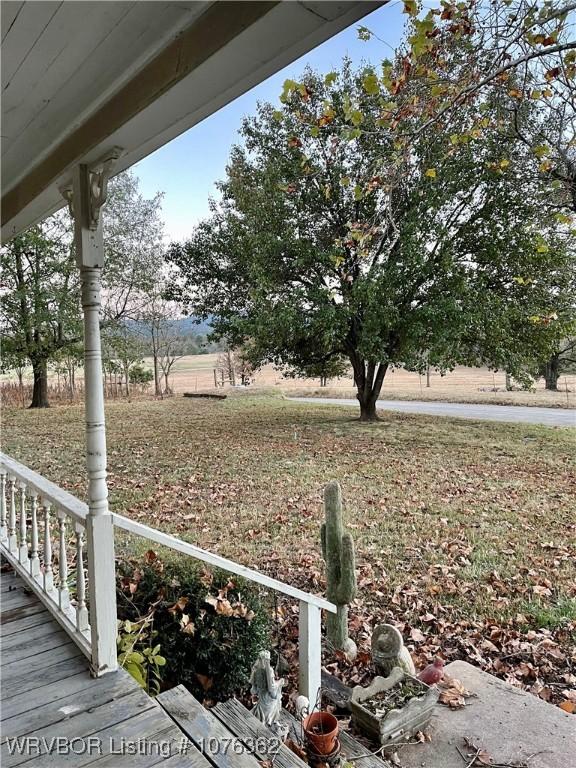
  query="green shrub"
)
[
  {"x": 209, "y": 627},
  {"x": 139, "y": 374}
]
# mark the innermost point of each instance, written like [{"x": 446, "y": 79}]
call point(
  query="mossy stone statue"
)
[{"x": 338, "y": 553}]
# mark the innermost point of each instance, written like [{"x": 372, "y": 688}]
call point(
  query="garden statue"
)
[
  {"x": 389, "y": 651},
  {"x": 267, "y": 689},
  {"x": 338, "y": 553}
]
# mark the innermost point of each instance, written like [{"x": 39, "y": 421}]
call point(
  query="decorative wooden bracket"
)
[{"x": 98, "y": 176}]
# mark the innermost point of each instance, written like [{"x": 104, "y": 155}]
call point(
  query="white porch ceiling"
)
[{"x": 79, "y": 78}]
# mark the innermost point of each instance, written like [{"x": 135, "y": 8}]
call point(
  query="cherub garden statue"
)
[
  {"x": 267, "y": 689},
  {"x": 389, "y": 651}
]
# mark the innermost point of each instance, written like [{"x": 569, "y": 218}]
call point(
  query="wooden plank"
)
[
  {"x": 67, "y": 682},
  {"x": 65, "y": 619},
  {"x": 15, "y": 614},
  {"x": 255, "y": 735},
  {"x": 197, "y": 760},
  {"x": 93, "y": 693},
  {"x": 10, "y": 13},
  {"x": 26, "y": 634},
  {"x": 139, "y": 727},
  {"x": 9, "y": 581},
  {"x": 203, "y": 728},
  {"x": 21, "y": 677},
  {"x": 30, "y": 647},
  {"x": 351, "y": 749},
  {"x": 170, "y": 740},
  {"x": 84, "y": 724},
  {"x": 28, "y": 26},
  {"x": 17, "y": 598},
  {"x": 337, "y": 692},
  {"x": 79, "y": 693},
  {"x": 38, "y": 619}
]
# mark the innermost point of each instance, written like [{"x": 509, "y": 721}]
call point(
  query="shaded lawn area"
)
[{"x": 465, "y": 531}]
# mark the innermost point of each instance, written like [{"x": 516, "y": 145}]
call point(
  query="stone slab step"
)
[{"x": 510, "y": 724}]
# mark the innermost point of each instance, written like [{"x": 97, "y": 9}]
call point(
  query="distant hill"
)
[
  {"x": 185, "y": 326},
  {"x": 190, "y": 325}
]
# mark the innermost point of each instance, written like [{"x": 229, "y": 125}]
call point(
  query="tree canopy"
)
[{"x": 333, "y": 238}]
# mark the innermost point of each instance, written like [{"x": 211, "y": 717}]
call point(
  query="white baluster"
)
[
  {"x": 23, "y": 539},
  {"x": 81, "y": 609},
  {"x": 63, "y": 593},
  {"x": 48, "y": 573},
  {"x": 12, "y": 545},
  {"x": 3, "y": 527},
  {"x": 34, "y": 559}
]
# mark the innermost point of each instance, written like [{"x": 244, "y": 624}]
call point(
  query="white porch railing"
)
[{"x": 40, "y": 523}]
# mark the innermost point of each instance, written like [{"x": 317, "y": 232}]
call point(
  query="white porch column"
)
[{"x": 88, "y": 195}]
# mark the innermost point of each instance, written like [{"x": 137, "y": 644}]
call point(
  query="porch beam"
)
[{"x": 88, "y": 194}]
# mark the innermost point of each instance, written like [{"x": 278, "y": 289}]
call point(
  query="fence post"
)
[
  {"x": 88, "y": 195},
  {"x": 310, "y": 651}
]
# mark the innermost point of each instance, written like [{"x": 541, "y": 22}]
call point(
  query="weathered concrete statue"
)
[
  {"x": 338, "y": 552},
  {"x": 267, "y": 689},
  {"x": 389, "y": 651}
]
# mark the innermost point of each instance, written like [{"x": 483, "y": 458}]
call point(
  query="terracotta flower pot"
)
[{"x": 321, "y": 730}]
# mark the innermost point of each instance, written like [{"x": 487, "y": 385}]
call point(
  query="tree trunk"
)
[
  {"x": 369, "y": 378},
  {"x": 40, "y": 390},
  {"x": 552, "y": 373},
  {"x": 157, "y": 387},
  {"x": 368, "y": 410},
  {"x": 20, "y": 374}
]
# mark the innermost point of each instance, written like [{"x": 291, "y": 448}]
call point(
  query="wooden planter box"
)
[{"x": 394, "y": 725}]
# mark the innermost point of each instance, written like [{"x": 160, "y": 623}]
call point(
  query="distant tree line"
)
[{"x": 41, "y": 317}]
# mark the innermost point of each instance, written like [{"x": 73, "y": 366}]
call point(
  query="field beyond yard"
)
[
  {"x": 462, "y": 385},
  {"x": 465, "y": 531}
]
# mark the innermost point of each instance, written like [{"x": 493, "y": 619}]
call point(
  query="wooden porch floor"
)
[
  {"x": 54, "y": 715},
  {"x": 47, "y": 693}
]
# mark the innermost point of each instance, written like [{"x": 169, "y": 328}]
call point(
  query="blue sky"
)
[{"x": 187, "y": 168}]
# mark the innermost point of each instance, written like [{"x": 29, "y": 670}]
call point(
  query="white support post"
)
[
  {"x": 310, "y": 652},
  {"x": 88, "y": 195}
]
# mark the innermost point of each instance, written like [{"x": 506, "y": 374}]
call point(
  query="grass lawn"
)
[{"x": 465, "y": 531}]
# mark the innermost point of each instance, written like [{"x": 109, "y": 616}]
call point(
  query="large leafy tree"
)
[
  {"x": 41, "y": 315},
  {"x": 333, "y": 240},
  {"x": 40, "y": 303}
]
